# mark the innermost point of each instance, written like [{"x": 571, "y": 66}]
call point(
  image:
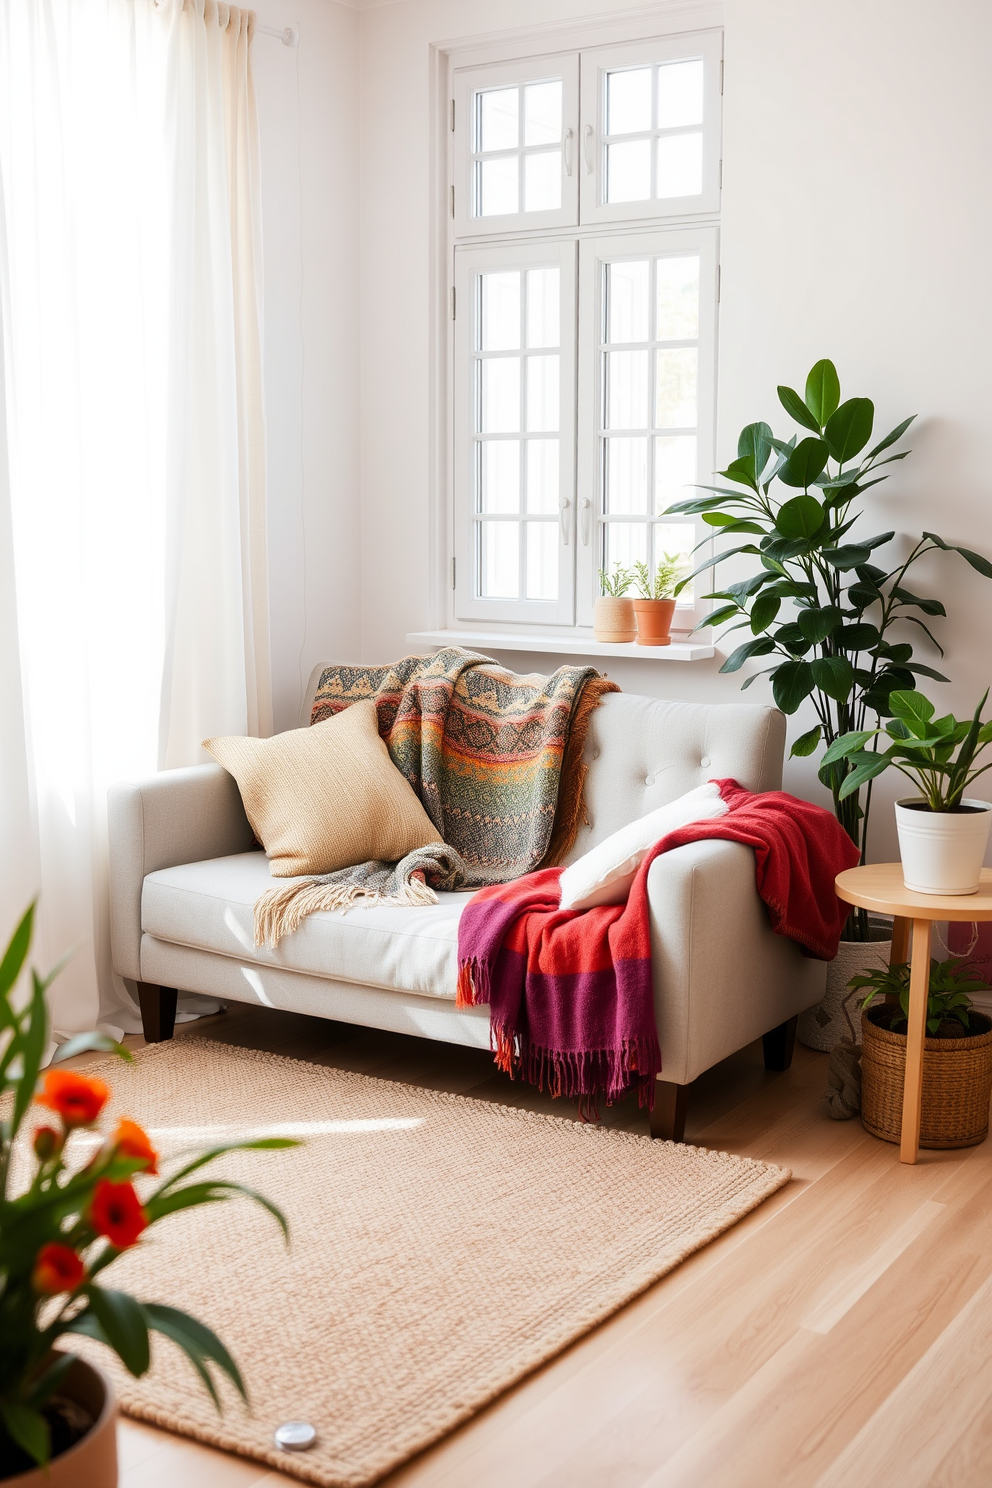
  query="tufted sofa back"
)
[{"x": 643, "y": 752}]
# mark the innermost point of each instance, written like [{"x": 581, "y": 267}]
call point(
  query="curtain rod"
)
[{"x": 288, "y": 35}]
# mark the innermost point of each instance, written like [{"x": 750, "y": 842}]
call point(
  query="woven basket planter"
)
[
  {"x": 957, "y": 1085},
  {"x": 836, "y": 1017}
]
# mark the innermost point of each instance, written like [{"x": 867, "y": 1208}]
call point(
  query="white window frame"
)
[
  {"x": 467, "y": 83},
  {"x": 594, "y": 253},
  {"x": 595, "y": 65},
  {"x": 470, "y": 261}
]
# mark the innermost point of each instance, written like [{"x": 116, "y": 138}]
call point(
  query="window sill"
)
[{"x": 578, "y": 644}]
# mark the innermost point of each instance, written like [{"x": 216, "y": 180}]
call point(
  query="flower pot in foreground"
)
[
  {"x": 942, "y": 851},
  {"x": 837, "y": 1016},
  {"x": 613, "y": 619},
  {"x": 654, "y": 621},
  {"x": 92, "y": 1462},
  {"x": 957, "y": 1084}
]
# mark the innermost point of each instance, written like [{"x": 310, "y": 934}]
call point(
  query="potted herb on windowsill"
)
[
  {"x": 655, "y": 604},
  {"x": 837, "y": 627},
  {"x": 957, "y": 1055},
  {"x": 68, "y": 1209},
  {"x": 613, "y": 612},
  {"x": 943, "y": 833}
]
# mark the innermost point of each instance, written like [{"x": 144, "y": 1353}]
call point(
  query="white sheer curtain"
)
[{"x": 133, "y": 606}]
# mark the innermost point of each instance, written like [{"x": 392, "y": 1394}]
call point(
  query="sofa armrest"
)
[
  {"x": 722, "y": 977},
  {"x": 178, "y": 816}
]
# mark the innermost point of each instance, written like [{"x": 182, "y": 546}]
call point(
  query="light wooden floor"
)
[{"x": 839, "y": 1337}]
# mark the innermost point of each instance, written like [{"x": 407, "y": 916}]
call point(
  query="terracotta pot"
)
[
  {"x": 92, "y": 1462},
  {"x": 957, "y": 1084},
  {"x": 837, "y": 1016},
  {"x": 654, "y": 621},
  {"x": 613, "y": 619}
]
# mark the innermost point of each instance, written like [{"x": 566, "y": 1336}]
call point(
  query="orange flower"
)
[
  {"x": 77, "y": 1099},
  {"x": 57, "y": 1268},
  {"x": 131, "y": 1140},
  {"x": 117, "y": 1213}
]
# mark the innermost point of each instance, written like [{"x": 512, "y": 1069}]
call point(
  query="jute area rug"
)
[{"x": 441, "y": 1249}]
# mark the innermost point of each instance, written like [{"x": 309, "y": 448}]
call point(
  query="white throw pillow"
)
[{"x": 605, "y": 873}]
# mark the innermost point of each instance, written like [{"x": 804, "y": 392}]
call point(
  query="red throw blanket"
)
[{"x": 570, "y": 992}]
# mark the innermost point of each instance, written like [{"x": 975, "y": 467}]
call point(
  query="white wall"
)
[
  {"x": 856, "y": 225},
  {"x": 308, "y": 120}
]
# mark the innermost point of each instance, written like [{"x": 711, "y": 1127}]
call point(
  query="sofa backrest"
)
[{"x": 644, "y": 752}]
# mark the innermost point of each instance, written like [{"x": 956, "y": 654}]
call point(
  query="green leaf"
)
[
  {"x": 755, "y": 442},
  {"x": 833, "y": 675},
  {"x": 848, "y": 429},
  {"x": 760, "y": 647},
  {"x": 122, "y": 1322},
  {"x": 16, "y": 952},
  {"x": 802, "y": 467},
  {"x": 718, "y": 617},
  {"x": 741, "y": 471},
  {"x": 865, "y": 771},
  {"x": 763, "y": 612},
  {"x": 198, "y": 1342},
  {"x": 254, "y": 1144},
  {"x": 889, "y": 439},
  {"x": 822, "y": 391},
  {"x": 863, "y": 594},
  {"x": 801, "y": 517},
  {"x": 856, "y": 637},
  {"x": 914, "y": 709},
  {"x": 982, "y": 565},
  {"x": 32, "y": 1047},
  {"x": 796, "y": 408},
  {"x": 28, "y": 1428},
  {"x": 847, "y": 744},
  {"x": 806, "y": 743},
  {"x": 817, "y": 624},
  {"x": 928, "y": 606},
  {"x": 920, "y": 670},
  {"x": 791, "y": 683}
]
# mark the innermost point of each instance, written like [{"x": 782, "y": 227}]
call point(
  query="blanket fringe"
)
[
  {"x": 281, "y": 911},
  {"x": 585, "y": 1075},
  {"x": 473, "y": 984}
]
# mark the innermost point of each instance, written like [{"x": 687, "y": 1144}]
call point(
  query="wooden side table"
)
[{"x": 879, "y": 887}]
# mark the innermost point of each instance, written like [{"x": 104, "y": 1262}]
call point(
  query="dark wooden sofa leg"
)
[
  {"x": 779, "y": 1043},
  {"x": 671, "y": 1103},
  {"x": 158, "y": 1011}
]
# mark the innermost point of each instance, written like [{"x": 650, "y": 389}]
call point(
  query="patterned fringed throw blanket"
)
[{"x": 496, "y": 759}]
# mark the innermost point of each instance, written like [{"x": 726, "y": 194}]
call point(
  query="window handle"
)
[
  {"x": 564, "y": 507},
  {"x": 587, "y": 148},
  {"x": 584, "y": 511},
  {"x": 569, "y": 163}
]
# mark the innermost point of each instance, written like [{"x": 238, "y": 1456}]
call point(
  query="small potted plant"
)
[
  {"x": 613, "y": 613},
  {"x": 957, "y": 1055},
  {"x": 943, "y": 833},
  {"x": 655, "y": 605},
  {"x": 62, "y": 1224}
]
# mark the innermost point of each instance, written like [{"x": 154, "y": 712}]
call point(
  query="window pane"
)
[
  {"x": 498, "y": 119},
  {"x": 542, "y": 392},
  {"x": 542, "y": 113},
  {"x": 628, "y": 101},
  {"x": 501, "y": 311},
  {"x": 542, "y": 181},
  {"x": 680, "y": 165},
  {"x": 543, "y": 306},
  {"x": 674, "y": 470},
  {"x": 680, "y": 93},
  {"x": 501, "y": 475},
  {"x": 542, "y": 560},
  {"x": 501, "y": 560},
  {"x": 626, "y": 543},
  {"x": 498, "y": 188},
  {"x": 627, "y": 301},
  {"x": 678, "y": 299},
  {"x": 628, "y": 171},
  {"x": 542, "y": 475},
  {"x": 501, "y": 395},
  {"x": 675, "y": 388},
  {"x": 626, "y": 389},
  {"x": 626, "y": 475}
]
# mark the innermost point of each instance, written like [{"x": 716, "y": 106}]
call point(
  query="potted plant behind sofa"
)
[
  {"x": 613, "y": 612},
  {"x": 655, "y": 604},
  {"x": 836, "y": 626},
  {"x": 943, "y": 833},
  {"x": 63, "y": 1222}
]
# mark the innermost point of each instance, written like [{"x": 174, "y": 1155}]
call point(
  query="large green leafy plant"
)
[
  {"x": 937, "y": 754},
  {"x": 838, "y": 625},
  {"x": 76, "y": 1213}
]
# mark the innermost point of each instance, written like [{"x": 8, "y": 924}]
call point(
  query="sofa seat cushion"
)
[{"x": 210, "y": 906}]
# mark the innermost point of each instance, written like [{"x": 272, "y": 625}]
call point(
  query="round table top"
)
[{"x": 880, "y": 886}]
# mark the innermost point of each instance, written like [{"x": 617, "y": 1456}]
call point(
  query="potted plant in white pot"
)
[
  {"x": 836, "y": 626},
  {"x": 69, "y": 1206},
  {"x": 655, "y": 604},
  {"x": 613, "y": 612},
  {"x": 943, "y": 833}
]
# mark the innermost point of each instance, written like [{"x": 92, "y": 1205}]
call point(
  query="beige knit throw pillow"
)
[{"x": 326, "y": 797}]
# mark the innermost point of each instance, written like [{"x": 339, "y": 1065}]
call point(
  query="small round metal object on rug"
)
[{"x": 295, "y": 1436}]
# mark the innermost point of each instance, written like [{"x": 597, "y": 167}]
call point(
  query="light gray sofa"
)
[{"x": 184, "y": 879}]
